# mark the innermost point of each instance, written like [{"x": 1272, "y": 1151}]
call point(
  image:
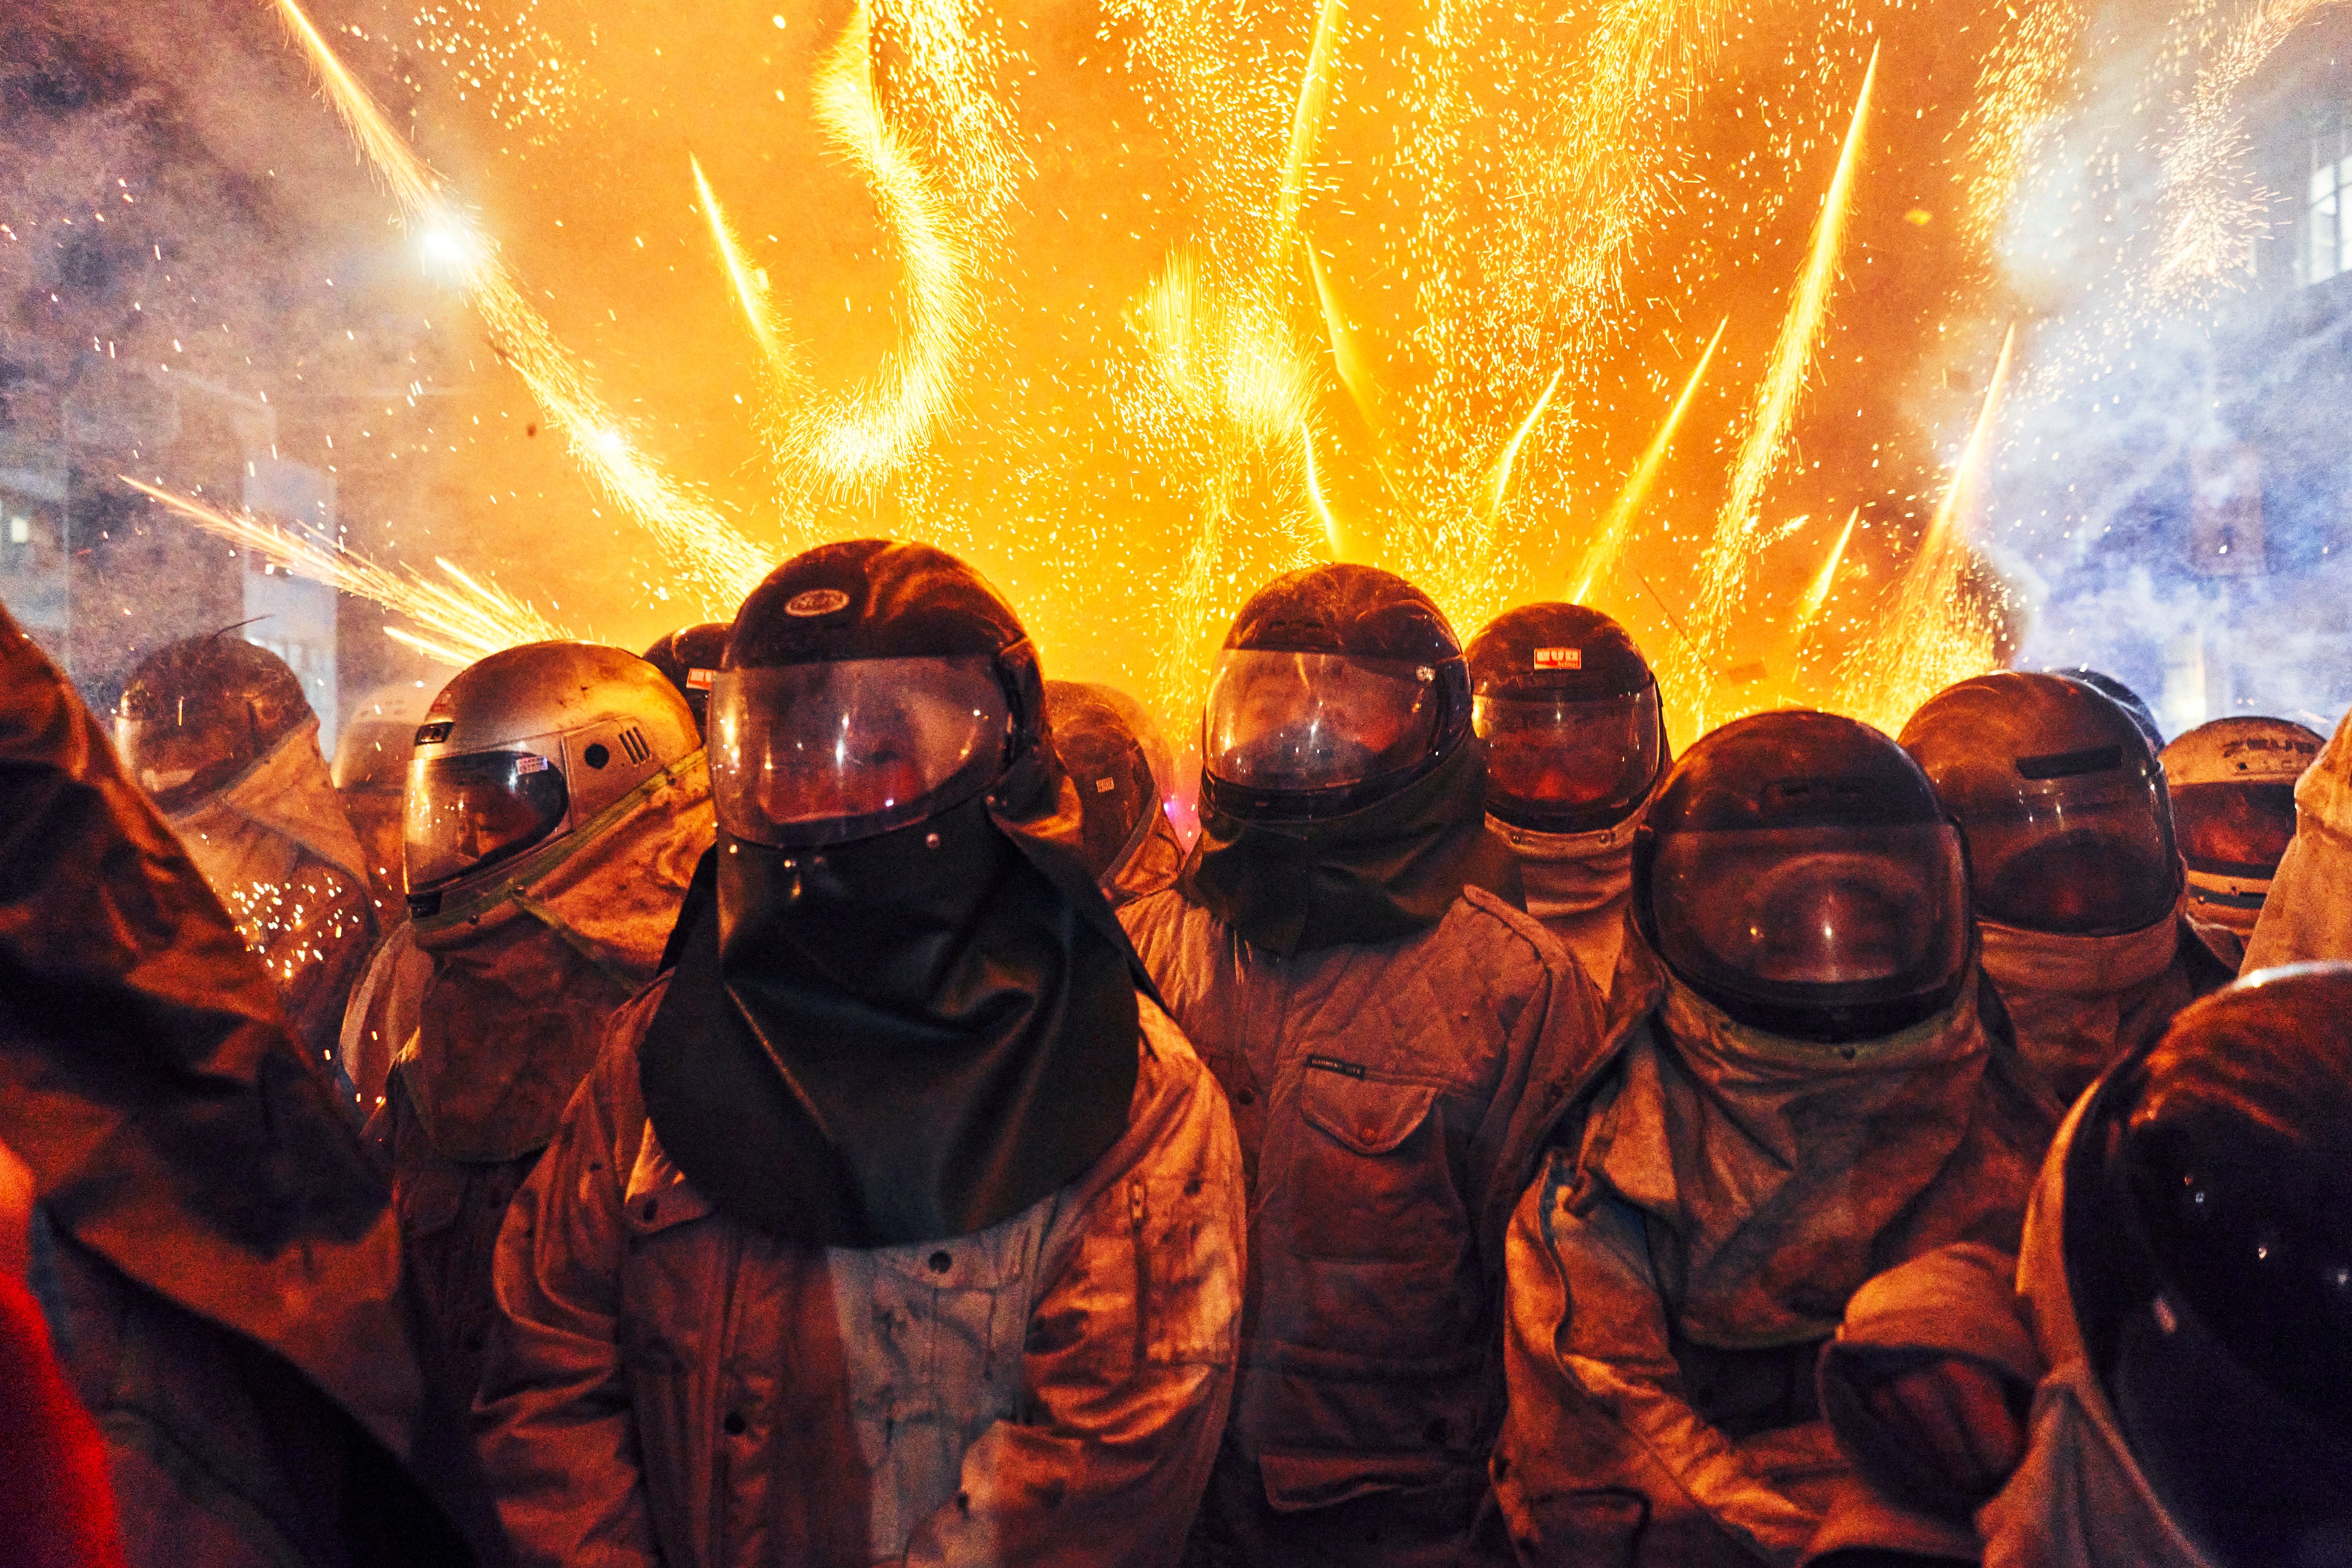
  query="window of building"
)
[{"x": 2327, "y": 248}]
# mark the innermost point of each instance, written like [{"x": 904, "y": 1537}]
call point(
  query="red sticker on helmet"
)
[
  {"x": 1560, "y": 658},
  {"x": 700, "y": 680}
]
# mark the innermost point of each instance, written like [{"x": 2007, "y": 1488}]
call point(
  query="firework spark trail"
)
[
  {"x": 1609, "y": 541},
  {"x": 2213, "y": 213},
  {"x": 1817, "y": 593},
  {"x": 749, "y": 284},
  {"x": 1307, "y": 119},
  {"x": 467, "y": 622},
  {"x": 1931, "y": 635},
  {"x": 1723, "y": 571},
  {"x": 2018, "y": 92},
  {"x": 1498, "y": 473},
  {"x": 860, "y": 441},
  {"x": 703, "y": 549}
]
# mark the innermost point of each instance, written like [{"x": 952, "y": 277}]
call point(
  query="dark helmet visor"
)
[
  {"x": 1300, "y": 723},
  {"x": 823, "y": 753},
  {"x": 1827, "y": 919},
  {"x": 2081, "y": 853},
  {"x": 467, "y": 813},
  {"x": 179, "y": 765},
  {"x": 1569, "y": 764},
  {"x": 2234, "y": 829}
]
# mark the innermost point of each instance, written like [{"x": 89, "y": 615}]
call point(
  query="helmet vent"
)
[
  {"x": 2072, "y": 764},
  {"x": 635, "y": 745}
]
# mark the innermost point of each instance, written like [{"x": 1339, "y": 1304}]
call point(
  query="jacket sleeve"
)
[
  {"x": 1602, "y": 1449},
  {"x": 557, "y": 1439},
  {"x": 1957, "y": 1303},
  {"x": 1131, "y": 1352}
]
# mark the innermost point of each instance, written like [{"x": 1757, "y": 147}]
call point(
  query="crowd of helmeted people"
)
[{"x": 795, "y": 1097}]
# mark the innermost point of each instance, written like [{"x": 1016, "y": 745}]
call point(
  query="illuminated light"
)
[
  {"x": 448, "y": 250},
  {"x": 461, "y": 625},
  {"x": 1609, "y": 541},
  {"x": 1724, "y": 570},
  {"x": 703, "y": 547}
]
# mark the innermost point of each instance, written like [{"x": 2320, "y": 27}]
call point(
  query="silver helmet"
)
[{"x": 529, "y": 745}]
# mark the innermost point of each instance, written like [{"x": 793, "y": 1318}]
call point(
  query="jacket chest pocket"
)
[{"x": 1369, "y": 1175}]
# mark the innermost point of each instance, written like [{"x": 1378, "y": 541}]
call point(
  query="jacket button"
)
[
  {"x": 1248, "y": 1097},
  {"x": 941, "y": 1263},
  {"x": 734, "y": 1424},
  {"x": 652, "y": 1208}
]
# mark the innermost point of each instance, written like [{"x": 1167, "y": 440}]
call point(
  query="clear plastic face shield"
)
[
  {"x": 1569, "y": 766},
  {"x": 178, "y": 764},
  {"x": 464, "y": 813},
  {"x": 2234, "y": 829},
  {"x": 1304, "y": 723},
  {"x": 2081, "y": 847},
  {"x": 821, "y": 754},
  {"x": 1813, "y": 917}
]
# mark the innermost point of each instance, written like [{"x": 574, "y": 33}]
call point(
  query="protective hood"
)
[
  {"x": 1373, "y": 875},
  {"x": 901, "y": 1038},
  {"x": 2078, "y": 1500},
  {"x": 147, "y": 1077},
  {"x": 2309, "y": 913},
  {"x": 251, "y": 835},
  {"x": 1579, "y": 885},
  {"x": 2080, "y": 1002},
  {"x": 527, "y": 970},
  {"x": 1778, "y": 1163},
  {"x": 1153, "y": 864}
]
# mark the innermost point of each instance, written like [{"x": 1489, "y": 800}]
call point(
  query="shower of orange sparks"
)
[
  {"x": 470, "y": 622},
  {"x": 1931, "y": 635},
  {"x": 1723, "y": 571},
  {"x": 703, "y": 549},
  {"x": 1609, "y": 540}
]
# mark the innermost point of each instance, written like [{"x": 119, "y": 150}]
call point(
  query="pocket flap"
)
[
  {"x": 1364, "y": 1114},
  {"x": 659, "y": 1194}
]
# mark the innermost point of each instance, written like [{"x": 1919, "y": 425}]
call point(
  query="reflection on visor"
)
[
  {"x": 810, "y": 754},
  {"x": 2078, "y": 856},
  {"x": 1569, "y": 764},
  {"x": 471, "y": 811},
  {"x": 1849, "y": 914},
  {"x": 1317, "y": 721},
  {"x": 2233, "y": 829},
  {"x": 176, "y": 764}
]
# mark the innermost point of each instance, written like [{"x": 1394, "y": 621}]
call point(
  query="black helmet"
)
[
  {"x": 2060, "y": 797},
  {"x": 1339, "y": 685},
  {"x": 689, "y": 656},
  {"x": 867, "y": 685},
  {"x": 1114, "y": 754},
  {"x": 198, "y": 713},
  {"x": 2208, "y": 1243},
  {"x": 2130, "y": 701},
  {"x": 1568, "y": 710},
  {"x": 1796, "y": 870}
]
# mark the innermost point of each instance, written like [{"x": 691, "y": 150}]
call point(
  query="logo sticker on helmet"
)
[
  {"x": 1560, "y": 658},
  {"x": 816, "y": 601},
  {"x": 701, "y": 680}
]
